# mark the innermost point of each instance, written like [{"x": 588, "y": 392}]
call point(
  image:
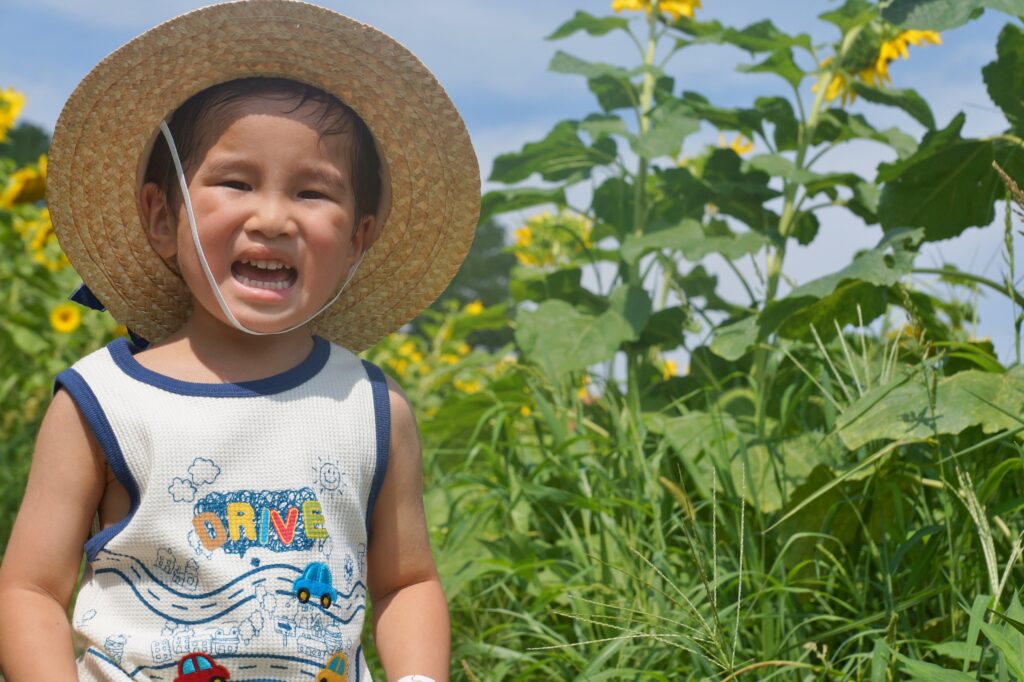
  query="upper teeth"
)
[{"x": 266, "y": 264}]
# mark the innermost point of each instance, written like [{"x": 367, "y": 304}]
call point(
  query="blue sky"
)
[{"x": 492, "y": 58}]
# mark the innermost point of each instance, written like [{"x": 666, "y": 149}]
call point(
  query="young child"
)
[{"x": 253, "y": 480}]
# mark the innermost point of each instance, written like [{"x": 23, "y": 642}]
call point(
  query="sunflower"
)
[
  {"x": 674, "y": 8},
  {"x": 871, "y": 64},
  {"x": 65, "y": 318}
]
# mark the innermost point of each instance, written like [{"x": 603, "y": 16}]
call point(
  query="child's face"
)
[{"x": 274, "y": 209}]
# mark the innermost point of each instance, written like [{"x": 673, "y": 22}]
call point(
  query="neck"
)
[{"x": 207, "y": 346}]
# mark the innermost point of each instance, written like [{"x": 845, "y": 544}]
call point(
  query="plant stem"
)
[
  {"x": 1011, "y": 277},
  {"x": 633, "y": 275}
]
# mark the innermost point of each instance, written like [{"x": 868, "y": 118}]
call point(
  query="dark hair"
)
[{"x": 190, "y": 122}]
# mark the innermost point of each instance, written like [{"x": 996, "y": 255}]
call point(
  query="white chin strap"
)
[{"x": 206, "y": 266}]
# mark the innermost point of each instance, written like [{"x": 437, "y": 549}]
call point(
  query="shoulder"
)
[
  {"x": 404, "y": 433},
  {"x": 66, "y": 436},
  {"x": 95, "y": 363}
]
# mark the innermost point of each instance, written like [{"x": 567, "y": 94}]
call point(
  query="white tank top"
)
[{"x": 244, "y": 554}]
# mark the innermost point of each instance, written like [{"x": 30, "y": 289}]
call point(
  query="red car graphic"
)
[{"x": 200, "y": 667}]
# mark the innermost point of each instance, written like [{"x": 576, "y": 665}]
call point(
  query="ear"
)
[
  {"x": 161, "y": 227},
  {"x": 364, "y": 234}
]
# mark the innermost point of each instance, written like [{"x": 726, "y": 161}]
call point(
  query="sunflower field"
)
[{"x": 633, "y": 474}]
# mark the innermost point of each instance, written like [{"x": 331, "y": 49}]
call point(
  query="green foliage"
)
[
  {"x": 934, "y": 15},
  {"x": 832, "y": 489},
  {"x": 942, "y": 15},
  {"x": 1005, "y": 76},
  {"x": 943, "y": 163}
]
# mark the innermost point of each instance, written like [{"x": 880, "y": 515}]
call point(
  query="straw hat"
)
[{"x": 431, "y": 185}]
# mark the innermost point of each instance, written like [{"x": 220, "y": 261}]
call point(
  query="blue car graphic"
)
[{"x": 316, "y": 582}]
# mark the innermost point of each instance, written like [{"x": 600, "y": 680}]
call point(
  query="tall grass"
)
[{"x": 590, "y": 541}]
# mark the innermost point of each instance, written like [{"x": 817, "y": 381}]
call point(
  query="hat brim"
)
[{"x": 101, "y": 140}]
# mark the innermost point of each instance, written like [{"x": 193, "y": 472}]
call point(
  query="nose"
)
[{"x": 271, "y": 215}]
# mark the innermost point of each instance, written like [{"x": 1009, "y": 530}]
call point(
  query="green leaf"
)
[
  {"x": 746, "y": 121},
  {"x": 611, "y": 84},
  {"x": 504, "y": 200},
  {"x": 492, "y": 317},
  {"x": 686, "y": 236},
  {"x": 634, "y": 305},
  {"x": 782, "y": 167},
  {"x": 665, "y": 328},
  {"x": 879, "y": 662},
  {"x": 946, "y": 186},
  {"x": 564, "y": 284},
  {"x": 901, "y": 142},
  {"x": 613, "y": 206},
  {"x": 779, "y": 112},
  {"x": 1012, "y": 622},
  {"x": 595, "y": 26},
  {"x": 699, "y": 283},
  {"x": 978, "y": 609},
  {"x": 1012, "y": 7},
  {"x": 693, "y": 241},
  {"x": 677, "y": 194},
  {"x": 958, "y": 650},
  {"x": 901, "y": 409},
  {"x": 852, "y": 14},
  {"x": 24, "y": 144},
  {"x": 920, "y": 671},
  {"x": 732, "y": 341},
  {"x": 564, "y": 62},
  {"x": 844, "y": 306},
  {"x": 558, "y": 156},
  {"x": 718, "y": 238},
  {"x": 931, "y": 15},
  {"x": 836, "y": 126},
  {"x": 1011, "y": 653},
  {"x": 738, "y": 192},
  {"x": 883, "y": 265},
  {"x": 907, "y": 100},
  {"x": 762, "y": 36},
  {"x": 765, "y": 37},
  {"x": 614, "y": 93},
  {"x": 780, "y": 62},
  {"x": 670, "y": 124},
  {"x": 560, "y": 339},
  {"x": 1004, "y": 77},
  {"x": 828, "y": 183},
  {"x": 27, "y": 340},
  {"x": 603, "y": 125},
  {"x": 880, "y": 267}
]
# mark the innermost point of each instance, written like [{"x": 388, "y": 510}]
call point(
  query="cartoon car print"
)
[
  {"x": 336, "y": 670},
  {"x": 200, "y": 667},
  {"x": 316, "y": 582}
]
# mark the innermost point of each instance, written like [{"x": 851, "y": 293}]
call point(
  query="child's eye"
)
[
  {"x": 236, "y": 184},
  {"x": 312, "y": 194}
]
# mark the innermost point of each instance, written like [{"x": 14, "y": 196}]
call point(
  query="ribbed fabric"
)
[{"x": 247, "y": 535}]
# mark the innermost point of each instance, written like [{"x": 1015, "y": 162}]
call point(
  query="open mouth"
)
[{"x": 264, "y": 274}]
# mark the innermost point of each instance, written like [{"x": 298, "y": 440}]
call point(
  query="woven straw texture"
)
[{"x": 102, "y": 137}]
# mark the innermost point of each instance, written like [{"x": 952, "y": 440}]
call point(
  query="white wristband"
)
[{"x": 416, "y": 678}]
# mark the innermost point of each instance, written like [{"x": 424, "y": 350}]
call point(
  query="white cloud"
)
[
  {"x": 182, "y": 490},
  {"x": 203, "y": 470}
]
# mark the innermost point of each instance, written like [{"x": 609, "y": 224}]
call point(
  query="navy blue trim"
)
[
  {"x": 121, "y": 352},
  {"x": 382, "y": 417},
  {"x": 90, "y": 408},
  {"x": 359, "y": 661},
  {"x": 83, "y": 296}
]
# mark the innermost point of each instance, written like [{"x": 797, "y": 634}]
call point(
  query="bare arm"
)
[
  {"x": 39, "y": 569},
  {"x": 410, "y": 615}
]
